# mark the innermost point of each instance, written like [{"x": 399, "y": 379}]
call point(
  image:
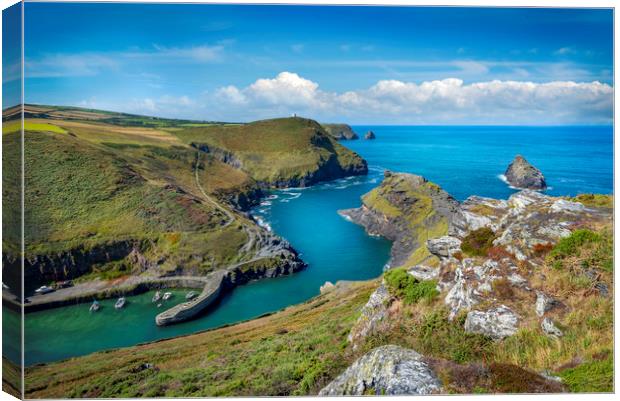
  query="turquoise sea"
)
[{"x": 463, "y": 160}]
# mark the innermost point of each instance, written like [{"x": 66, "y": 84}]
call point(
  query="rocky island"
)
[
  {"x": 521, "y": 174},
  {"x": 370, "y": 135}
]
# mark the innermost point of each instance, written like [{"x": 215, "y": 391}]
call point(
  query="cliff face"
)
[
  {"x": 406, "y": 209},
  {"x": 340, "y": 132}
]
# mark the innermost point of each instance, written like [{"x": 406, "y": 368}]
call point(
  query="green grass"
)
[
  {"x": 595, "y": 250},
  {"x": 478, "y": 242},
  {"x": 594, "y": 200},
  {"x": 591, "y": 377}
]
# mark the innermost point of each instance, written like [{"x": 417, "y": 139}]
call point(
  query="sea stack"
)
[
  {"x": 521, "y": 174},
  {"x": 369, "y": 135}
]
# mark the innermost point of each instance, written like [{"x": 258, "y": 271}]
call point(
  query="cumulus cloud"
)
[{"x": 431, "y": 102}]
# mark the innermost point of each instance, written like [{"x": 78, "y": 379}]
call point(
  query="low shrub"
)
[
  {"x": 408, "y": 288},
  {"x": 478, "y": 242}
]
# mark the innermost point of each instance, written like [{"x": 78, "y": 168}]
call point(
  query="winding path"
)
[{"x": 231, "y": 217}]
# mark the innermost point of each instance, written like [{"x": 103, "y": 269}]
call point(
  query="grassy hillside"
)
[
  {"x": 276, "y": 150},
  {"x": 97, "y": 181}
]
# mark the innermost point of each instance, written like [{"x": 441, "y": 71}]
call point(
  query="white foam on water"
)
[
  {"x": 505, "y": 180},
  {"x": 265, "y": 203},
  {"x": 274, "y": 196}
]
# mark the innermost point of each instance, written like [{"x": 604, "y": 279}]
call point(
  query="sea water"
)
[{"x": 463, "y": 160}]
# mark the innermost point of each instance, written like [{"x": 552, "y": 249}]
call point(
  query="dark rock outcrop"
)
[
  {"x": 340, "y": 132},
  {"x": 521, "y": 174},
  {"x": 370, "y": 135}
]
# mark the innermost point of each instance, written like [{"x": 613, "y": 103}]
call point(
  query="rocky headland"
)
[
  {"x": 522, "y": 175},
  {"x": 340, "y": 132}
]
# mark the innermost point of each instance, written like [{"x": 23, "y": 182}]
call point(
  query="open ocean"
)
[{"x": 463, "y": 160}]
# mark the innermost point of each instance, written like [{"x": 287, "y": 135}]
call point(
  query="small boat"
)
[
  {"x": 156, "y": 297},
  {"x": 120, "y": 303},
  {"x": 167, "y": 296},
  {"x": 95, "y": 306},
  {"x": 159, "y": 305},
  {"x": 43, "y": 289},
  {"x": 191, "y": 295}
]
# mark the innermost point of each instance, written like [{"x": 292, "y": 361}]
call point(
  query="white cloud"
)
[
  {"x": 88, "y": 64},
  {"x": 565, "y": 51},
  {"x": 431, "y": 102}
]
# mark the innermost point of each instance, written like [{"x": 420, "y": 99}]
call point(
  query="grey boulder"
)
[
  {"x": 496, "y": 323},
  {"x": 387, "y": 370}
]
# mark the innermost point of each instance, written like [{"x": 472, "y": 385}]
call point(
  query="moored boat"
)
[
  {"x": 156, "y": 297},
  {"x": 43, "y": 289},
  {"x": 167, "y": 296},
  {"x": 120, "y": 303},
  {"x": 191, "y": 295},
  {"x": 95, "y": 306}
]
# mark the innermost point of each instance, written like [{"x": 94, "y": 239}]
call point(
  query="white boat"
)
[
  {"x": 94, "y": 307},
  {"x": 156, "y": 297},
  {"x": 167, "y": 296},
  {"x": 191, "y": 295},
  {"x": 120, "y": 303},
  {"x": 43, "y": 289}
]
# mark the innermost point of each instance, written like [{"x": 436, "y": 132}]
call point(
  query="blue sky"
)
[{"x": 353, "y": 64}]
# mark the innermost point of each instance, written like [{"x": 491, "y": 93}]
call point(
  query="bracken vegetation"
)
[{"x": 478, "y": 242}]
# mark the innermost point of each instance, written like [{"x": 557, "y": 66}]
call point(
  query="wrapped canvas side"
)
[{"x": 12, "y": 201}]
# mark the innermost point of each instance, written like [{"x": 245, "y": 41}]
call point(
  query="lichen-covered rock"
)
[
  {"x": 544, "y": 303},
  {"x": 387, "y": 370},
  {"x": 461, "y": 296},
  {"x": 550, "y": 329},
  {"x": 562, "y": 205},
  {"x": 521, "y": 174},
  {"x": 373, "y": 313},
  {"x": 422, "y": 272},
  {"x": 497, "y": 323},
  {"x": 444, "y": 246}
]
